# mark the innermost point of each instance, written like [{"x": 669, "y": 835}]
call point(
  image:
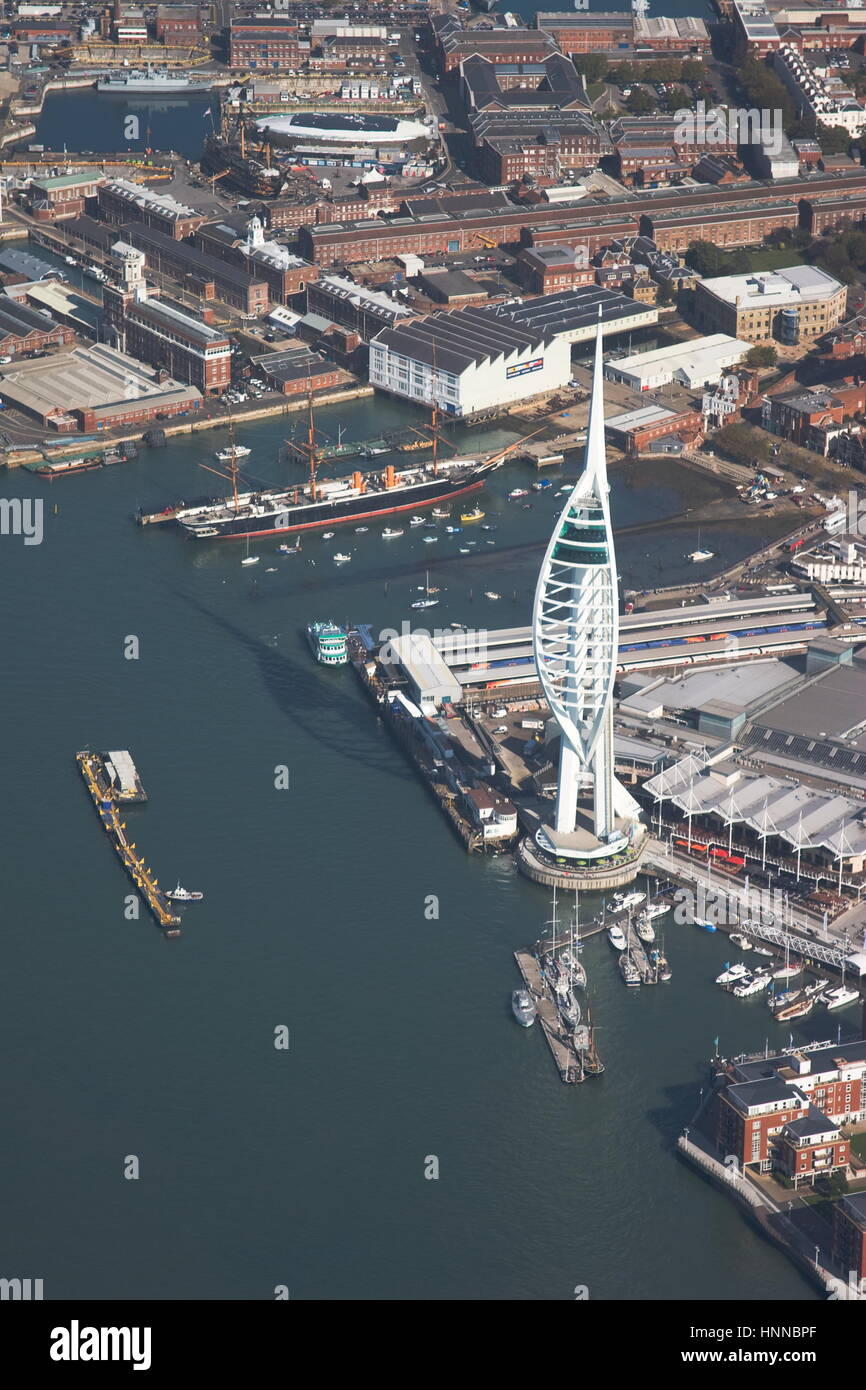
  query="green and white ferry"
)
[{"x": 328, "y": 643}]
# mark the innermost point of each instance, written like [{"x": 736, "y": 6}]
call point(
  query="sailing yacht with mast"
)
[{"x": 334, "y": 501}]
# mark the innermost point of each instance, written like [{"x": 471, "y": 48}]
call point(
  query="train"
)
[{"x": 721, "y": 636}]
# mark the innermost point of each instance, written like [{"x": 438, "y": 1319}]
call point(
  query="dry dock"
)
[{"x": 92, "y": 767}]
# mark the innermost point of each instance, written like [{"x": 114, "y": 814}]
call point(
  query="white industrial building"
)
[
  {"x": 693, "y": 365},
  {"x": 467, "y": 361}
]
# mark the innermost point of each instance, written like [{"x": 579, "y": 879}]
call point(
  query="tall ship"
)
[
  {"x": 335, "y": 501},
  {"x": 146, "y": 82}
]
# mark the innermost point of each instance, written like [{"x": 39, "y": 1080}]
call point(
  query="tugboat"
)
[{"x": 523, "y": 1008}]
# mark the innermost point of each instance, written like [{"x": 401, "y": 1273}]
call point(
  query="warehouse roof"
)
[
  {"x": 18, "y": 320},
  {"x": 566, "y": 310},
  {"x": 97, "y": 378},
  {"x": 459, "y": 339},
  {"x": 147, "y": 239},
  {"x": 700, "y": 357}
]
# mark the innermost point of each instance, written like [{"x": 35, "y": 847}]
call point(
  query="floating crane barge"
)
[{"x": 98, "y": 782}]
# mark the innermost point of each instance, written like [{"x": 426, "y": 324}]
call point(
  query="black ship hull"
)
[{"x": 279, "y": 514}]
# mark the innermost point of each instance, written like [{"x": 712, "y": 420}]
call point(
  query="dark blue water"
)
[
  {"x": 86, "y": 120},
  {"x": 306, "y": 1168}
]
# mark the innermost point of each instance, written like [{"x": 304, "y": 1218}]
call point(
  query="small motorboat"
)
[
  {"x": 416, "y": 521},
  {"x": 390, "y": 534},
  {"x": 424, "y": 603},
  {"x": 737, "y": 939},
  {"x": 441, "y": 511},
  {"x": 490, "y": 593},
  {"x": 663, "y": 968},
  {"x": 290, "y": 549},
  {"x": 359, "y": 530},
  {"x": 657, "y": 909},
  {"x": 761, "y": 950},
  {"x": 453, "y": 530},
  {"x": 251, "y": 559},
  {"x": 234, "y": 451},
  {"x": 523, "y": 1008},
  {"x": 430, "y": 540},
  {"x": 616, "y": 937},
  {"x": 184, "y": 895},
  {"x": 517, "y": 492},
  {"x": 704, "y": 923},
  {"x": 732, "y": 973},
  {"x": 327, "y": 535},
  {"x": 340, "y": 559},
  {"x": 485, "y": 526}
]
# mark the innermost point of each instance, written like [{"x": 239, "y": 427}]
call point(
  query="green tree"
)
[
  {"x": 640, "y": 103},
  {"x": 593, "y": 66},
  {"x": 761, "y": 357},
  {"x": 833, "y": 139}
]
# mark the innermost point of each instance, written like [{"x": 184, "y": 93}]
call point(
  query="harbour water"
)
[
  {"x": 305, "y": 1167},
  {"x": 86, "y": 120}
]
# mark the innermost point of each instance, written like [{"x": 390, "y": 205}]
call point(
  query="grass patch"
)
[
  {"x": 772, "y": 259},
  {"x": 858, "y": 1145},
  {"x": 595, "y": 89}
]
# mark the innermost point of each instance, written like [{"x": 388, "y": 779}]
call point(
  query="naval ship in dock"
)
[{"x": 148, "y": 82}]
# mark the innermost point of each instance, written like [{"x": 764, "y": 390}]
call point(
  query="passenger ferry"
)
[{"x": 328, "y": 643}]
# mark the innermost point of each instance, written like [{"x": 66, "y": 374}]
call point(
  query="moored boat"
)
[
  {"x": 184, "y": 895},
  {"x": 328, "y": 643},
  {"x": 616, "y": 937},
  {"x": 523, "y": 1008}
]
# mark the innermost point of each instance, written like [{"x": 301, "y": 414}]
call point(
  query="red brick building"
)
[
  {"x": 121, "y": 201},
  {"x": 178, "y": 24},
  {"x": 725, "y": 224},
  {"x": 66, "y": 195},
  {"x": 849, "y": 1234},
  {"x": 588, "y": 32},
  {"x": 256, "y": 44},
  {"x": 811, "y": 1147},
  {"x": 544, "y": 269}
]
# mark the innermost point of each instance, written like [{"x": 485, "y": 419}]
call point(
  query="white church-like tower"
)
[{"x": 575, "y": 627}]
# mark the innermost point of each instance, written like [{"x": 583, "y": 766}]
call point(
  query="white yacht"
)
[
  {"x": 732, "y": 974},
  {"x": 616, "y": 937},
  {"x": 840, "y": 997}
]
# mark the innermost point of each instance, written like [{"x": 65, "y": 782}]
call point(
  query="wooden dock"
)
[{"x": 572, "y": 1065}]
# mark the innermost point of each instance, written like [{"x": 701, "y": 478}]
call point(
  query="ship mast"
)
[
  {"x": 434, "y": 419},
  {"x": 311, "y": 440}
]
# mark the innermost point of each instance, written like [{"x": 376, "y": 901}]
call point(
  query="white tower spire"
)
[{"x": 576, "y": 631}]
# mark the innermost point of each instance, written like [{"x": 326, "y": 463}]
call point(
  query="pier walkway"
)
[
  {"x": 573, "y": 1064},
  {"x": 92, "y": 769}
]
